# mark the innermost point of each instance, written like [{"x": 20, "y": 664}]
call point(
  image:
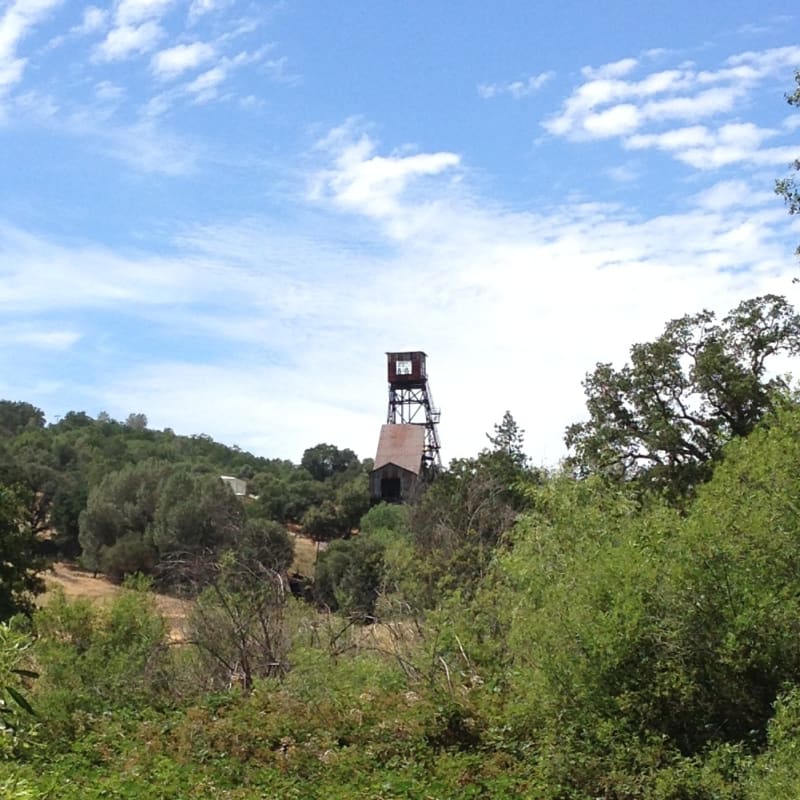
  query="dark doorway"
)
[{"x": 391, "y": 490}]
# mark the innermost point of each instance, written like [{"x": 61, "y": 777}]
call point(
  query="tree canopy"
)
[
  {"x": 19, "y": 560},
  {"x": 664, "y": 417}
]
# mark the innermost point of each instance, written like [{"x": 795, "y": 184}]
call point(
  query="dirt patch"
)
[
  {"x": 77, "y": 583},
  {"x": 305, "y": 554}
]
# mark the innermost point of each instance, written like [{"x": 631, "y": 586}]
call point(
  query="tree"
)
[
  {"x": 664, "y": 417},
  {"x": 325, "y": 460},
  {"x": 195, "y": 512},
  {"x": 789, "y": 188},
  {"x": 324, "y": 522},
  {"x": 19, "y": 561},
  {"x": 266, "y": 543},
  {"x": 136, "y": 421},
  {"x": 509, "y": 439},
  {"x": 17, "y": 417},
  {"x": 122, "y": 505},
  {"x": 459, "y": 521}
]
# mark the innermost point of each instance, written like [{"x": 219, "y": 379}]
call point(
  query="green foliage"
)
[
  {"x": 352, "y": 501},
  {"x": 17, "y": 417},
  {"x": 15, "y": 680},
  {"x": 385, "y": 517},
  {"x": 324, "y": 522},
  {"x": 325, "y": 460},
  {"x": 19, "y": 560},
  {"x": 534, "y": 635},
  {"x": 195, "y": 512},
  {"x": 122, "y": 505},
  {"x": 665, "y": 417},
  {"x": 349, "y": 576},
  {"x": 788, "y": 188},
  {"x": 128, "y": 555},
  {"x": 94, "y": 658},
  {"x": 266, "y": 543},
  {"x": 145, "y": 512},
  {"x": 777, "y": 771},
  {"x": 460, "y": 520},
  {"x": 671, "y": 636},
  {"x": 509, "y": 440},
  {"x": 287, "y": 495}
]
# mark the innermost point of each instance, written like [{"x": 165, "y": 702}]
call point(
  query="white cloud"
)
[
  {"x": 731, "y": 194},
  {"x": 38, "y": 276},
  {"x": 200, "y": 8},
  {"x": 615, "y": 121},
  {"x": 371, "y": 184},
  {"x": 19, "y": 17},
  {"x": 173, "y": 61},
  {"x": 132, "y": 12},
  {"x": 205, "y": 85},
  {"x": 11, "y": 72},
  {"x": 38, "y": 338},
  {"x": 616, "y": 69},
  {"x": 35, "y": 105},
  {"x": 108, "y": 92},
  {"x": 148, "y": 148},
  {"x": 517, "y": 89},
  {"x": 705, "y": 148},
  {"x": 94, "y": 19},
  {"x": 127, "y": 40},
  {"x": 792, "y": 123},
  {"x": 605, "y": 106}
]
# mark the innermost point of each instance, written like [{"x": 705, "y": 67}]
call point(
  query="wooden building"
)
[{"x": 398, "y": 462}]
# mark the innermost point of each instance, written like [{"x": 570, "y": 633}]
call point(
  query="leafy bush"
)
[
  {"x": 349, "y": 575},
  {"x": 94, "y": 658}
]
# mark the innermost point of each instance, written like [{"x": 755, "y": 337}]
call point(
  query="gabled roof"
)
[{"x": 402, "y": 445}]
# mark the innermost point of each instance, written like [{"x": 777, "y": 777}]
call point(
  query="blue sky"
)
[{"x": 222, "y": 213}]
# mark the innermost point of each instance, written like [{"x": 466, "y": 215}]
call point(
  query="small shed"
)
[
  {"x": 237, "y": 485},
  {"x": 398, "y": 462}
]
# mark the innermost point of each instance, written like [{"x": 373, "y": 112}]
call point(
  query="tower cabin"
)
[{"x": 408, "y": 446}]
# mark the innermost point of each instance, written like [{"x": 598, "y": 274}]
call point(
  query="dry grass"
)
[
  {"x": 305, "y": 554},
  {"x": 77, "y": 583}
]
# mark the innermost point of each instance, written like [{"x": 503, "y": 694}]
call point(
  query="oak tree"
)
[{"x": 664, "y": 417}]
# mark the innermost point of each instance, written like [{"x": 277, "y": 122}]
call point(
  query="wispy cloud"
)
[
  {"x": 610, "y": 104},
  {"x": 370, "y": 184},
  {"x": 704, "y": 148},
  {"x": 205, "y": 85},
  {"x": 94, "y": 19},
  {"x": 516, "y": 89},
  {"x": 173, "y": 61},
  {"x": 133, "y": 12},
  {"x": 128, "y": 40},
  {"x": 19, "y": 17},
  {"x": 136, "y": 29},
  {"x": 616, "y": 69},
  {"x": 40, "y": 338},
  {"x": 200, "y": 8}
]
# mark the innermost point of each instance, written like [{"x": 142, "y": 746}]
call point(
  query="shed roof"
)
[{"x": 402, "y": 445}]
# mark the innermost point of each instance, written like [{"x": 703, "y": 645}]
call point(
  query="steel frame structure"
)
[{"x": 412, "y": 404}]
